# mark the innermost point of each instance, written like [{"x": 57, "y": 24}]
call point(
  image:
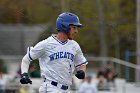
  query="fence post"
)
[{"x": 127, "y": 54}]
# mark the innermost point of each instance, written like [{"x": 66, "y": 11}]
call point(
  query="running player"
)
[{"x": 58, "y": 56}]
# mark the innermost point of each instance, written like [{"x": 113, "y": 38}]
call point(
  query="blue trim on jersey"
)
[
  {"x": 29, "y": 54},
  {"x": 59, "y": 40},
  {"x": 81, "y": 64}
]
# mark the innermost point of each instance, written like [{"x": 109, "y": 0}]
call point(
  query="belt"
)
[{"x": 64, "y": 87}]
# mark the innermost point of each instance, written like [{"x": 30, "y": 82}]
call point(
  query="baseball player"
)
[{"x": 58, "y": 56}]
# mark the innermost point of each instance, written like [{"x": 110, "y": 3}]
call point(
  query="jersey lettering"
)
[{"x": 59, "y": 55}]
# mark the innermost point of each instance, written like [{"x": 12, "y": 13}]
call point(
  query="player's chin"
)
[{"x": 71, "y": 37}]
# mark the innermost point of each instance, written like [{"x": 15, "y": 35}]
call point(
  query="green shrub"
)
[{"x": 2, "y": 66}]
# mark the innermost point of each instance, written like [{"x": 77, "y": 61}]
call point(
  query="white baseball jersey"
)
[{"x": 57, "y": 59}]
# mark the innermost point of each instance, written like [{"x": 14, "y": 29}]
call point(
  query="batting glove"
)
[
  {"x": 25, "y": 79},
  {"x": 80, "y": 74}
]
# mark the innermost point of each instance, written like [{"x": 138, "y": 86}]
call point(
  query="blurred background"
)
[{"x": 110, "y": 40}]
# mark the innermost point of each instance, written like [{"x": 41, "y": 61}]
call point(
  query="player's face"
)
[{"x": 73, "y": 31}]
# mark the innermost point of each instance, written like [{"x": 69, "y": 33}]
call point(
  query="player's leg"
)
[
  {"x": 54, "y": 89},
  {"x": 48, "y": 88},
  {"x": 43, "y": 88}
]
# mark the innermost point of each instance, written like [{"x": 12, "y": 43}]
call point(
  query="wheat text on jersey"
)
[{"x": 59, "y": 55}]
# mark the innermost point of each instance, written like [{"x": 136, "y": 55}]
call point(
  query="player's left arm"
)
[
  {"x": 80, "y": 74},
  {"x": 82, "y": 67},
  {"x": 80, "y": 64}
]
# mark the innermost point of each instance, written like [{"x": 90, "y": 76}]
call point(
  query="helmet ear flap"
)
[{"x": 65, "y": 28}]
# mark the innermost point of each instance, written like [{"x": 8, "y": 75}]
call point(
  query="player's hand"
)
[
  {"x": 80, "y": 74},
  {"x": 25, "y": 79}
]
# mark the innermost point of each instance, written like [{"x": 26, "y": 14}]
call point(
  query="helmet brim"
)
[{"x": 77, "y": 24}]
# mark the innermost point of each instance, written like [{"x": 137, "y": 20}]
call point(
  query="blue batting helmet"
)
[{"x": 64, "y": 21}]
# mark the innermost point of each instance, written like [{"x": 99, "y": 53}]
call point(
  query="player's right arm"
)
[
  {"x": 32, "y": 54},
  {"x": 25, "y": 64},
  {"x": 24, "y": 70}
]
